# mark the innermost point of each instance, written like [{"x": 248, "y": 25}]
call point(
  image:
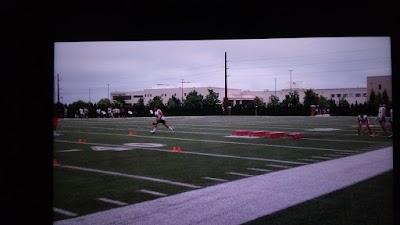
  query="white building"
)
[{"x": 237, "y": 96}]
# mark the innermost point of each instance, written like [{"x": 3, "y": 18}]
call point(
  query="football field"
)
[{"x": 106, "y": 163}]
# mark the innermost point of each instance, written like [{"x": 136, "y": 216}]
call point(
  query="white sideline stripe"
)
[
  {"x": 240, "y": 174},
  {"x": 278, "y": 166},
  {"x": 321, "y": 157},
  {"x": 258, "y": 169},
  {"x": 335, "y": 140},
  {"x": 206, "y": 154},
  {"x": 311, "y": 160},
  {"x": 130, "y": 176},
  {"x": 226, "y": 142},
  {"x": 71, "y": 150},
  {"x": 64, "y": 212},
  {"x": 213, "y": 178},
  {"x": 153, "y": 192},
  {"x": 112, "y": 201}
]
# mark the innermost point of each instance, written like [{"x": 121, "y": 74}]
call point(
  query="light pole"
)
[
  {"x": 182, "y": 91},
  {"x": 290, "y": 80},
  {"x": 275, "y": 86}
]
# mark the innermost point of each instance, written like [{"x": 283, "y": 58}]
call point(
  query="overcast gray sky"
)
[{"x": 88, "y": 70}]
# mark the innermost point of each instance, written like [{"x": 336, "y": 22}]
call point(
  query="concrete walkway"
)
[{"x": 246, "y": 199}]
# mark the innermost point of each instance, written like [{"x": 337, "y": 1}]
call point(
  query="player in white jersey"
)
[
  {"x": 159, "y": 119},
  {"x": 363, "y": 120},
  {"x": 382, "y": 117}
]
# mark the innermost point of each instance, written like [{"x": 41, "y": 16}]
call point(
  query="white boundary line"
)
[
  {"x": 112, "y": 201},
  {"x": 130, "y": 176},
  {"x": 64, "y": 212},
  {"x": 152, "y": 192}
]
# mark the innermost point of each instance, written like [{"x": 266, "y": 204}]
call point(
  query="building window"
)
[
  {"x": 358, "y": 95},
  {"x": 174, "y": 94},
  {"x": 380, "y": 87},
  {"x": 344, "y": 95},
  {"x": 338, "y": 95},
  {"x": 351, "y": 95},
  {"x": 332, "y": 95},
  {"x": 185, "y": 94},
  {"x": 364, "y": 94}
]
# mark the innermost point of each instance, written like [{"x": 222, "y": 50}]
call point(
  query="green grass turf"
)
[
  {"x": 366, "y": 203},
  {"x": 77, "y": 191}
]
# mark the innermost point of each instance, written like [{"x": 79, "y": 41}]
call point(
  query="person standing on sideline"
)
[
  {"x": 391, "y": 120},
  {"x": 382, "y": 117},
  {"x": 159, "y": 119},
  {"x": 363, "y": 120},
  {"x": 55, "y": 124}
]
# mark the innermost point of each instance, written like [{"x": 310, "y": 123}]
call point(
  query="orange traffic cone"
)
[
  {"x": 174, "y": 149},
  {"x": 80, "y": 140},
  {"x": 130, "y": 133},
  {"x": 179, "y": 149},
  {"x": 84, "y": 140},
  {"x": 55, "y": 163}
]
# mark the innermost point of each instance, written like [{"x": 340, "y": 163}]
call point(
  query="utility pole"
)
[
  {"x": 290, "y": 80},
  {"x": 275, "y": 87},
  {"x": 226, "y": 88},
  {"x": 108, "y": 91},
  {"x": 89, "y": 96},
  {"x": 58, "y": 88}
]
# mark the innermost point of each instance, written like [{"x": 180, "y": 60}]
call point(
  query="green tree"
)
[
  {"x": 372, "y": 97},
  {"x": 156, "y": 101},
  {"x": 212, "y": 105},
  {"x": 310, "y": 98},
  {"x": 104, "y": 103},
  {"x": 139, "y": 107},
  {"x": 273, "y": 101},
  {"x": 385, "y": 97},
  {"x": 194, "y": 101},
  {"x": 258, "y": 102},
  {"x": 292, "y": 99}
]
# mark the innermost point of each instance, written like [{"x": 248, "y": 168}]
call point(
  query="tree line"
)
[{"x": 196, "y": 104}]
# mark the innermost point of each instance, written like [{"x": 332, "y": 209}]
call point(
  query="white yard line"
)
[
  {"x": 202, "y": 154},
  {"x": 277, "y": 166},
  {"x": 130, "y": 176},
  {"x": 258, "y": 169},
  {"x": 64, "y": 212},
  {"x": 311, "y": 160},
  {"x": 239, "y": 174},
  {"x": 153, "y": 192},
  {"x": 112, "y": 201},
  {"x": 215, "y": 179},
  {"x": 71, "y": 150},
  {"x": 321, "y": 157},
  {"x": 332, "y": 155}
]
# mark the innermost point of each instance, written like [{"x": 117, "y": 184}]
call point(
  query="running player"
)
[{"x": 159, "y": 119}]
